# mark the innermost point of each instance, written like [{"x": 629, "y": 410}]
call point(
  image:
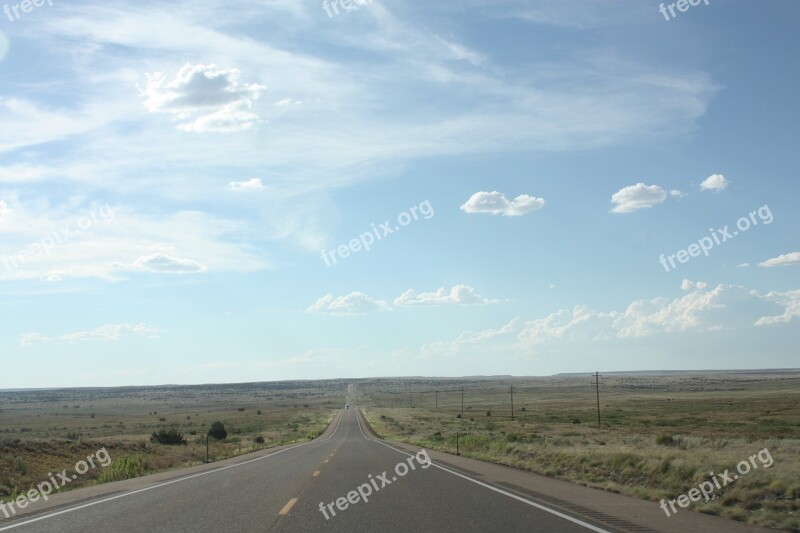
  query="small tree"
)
[{"x": 218, "y": 431}]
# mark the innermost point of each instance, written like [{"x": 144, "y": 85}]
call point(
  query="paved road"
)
[{"x": 283, "y": 492}]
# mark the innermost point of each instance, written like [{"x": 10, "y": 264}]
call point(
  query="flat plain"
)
[{"x": 660, "y": 434}]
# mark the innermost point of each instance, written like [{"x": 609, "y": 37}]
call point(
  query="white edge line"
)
[
  {"x": 164, "y": 484},
  {"x": 491, "y": 487}
]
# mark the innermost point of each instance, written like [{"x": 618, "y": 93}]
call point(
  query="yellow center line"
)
[
  {"x": 288, "y": 507},
  {"x": 316, "y": 473},
  {"x": 326, "y": 460}
]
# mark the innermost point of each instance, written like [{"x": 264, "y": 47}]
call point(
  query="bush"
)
[
  {"x": 168, "y": 436},
  {"x": 123, "y": 467},
  {"x": 218, "y": 431},
  {"x": 240, "y": 409},
  {"x": 666, "y": 440},
  {"x": 488, "y": 413},
  {"x": 259, "y": 440}
]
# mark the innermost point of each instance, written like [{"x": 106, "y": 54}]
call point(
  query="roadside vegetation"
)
[
  {"x": 659, "y": 436},
  {"x": 152, "y": 429}
]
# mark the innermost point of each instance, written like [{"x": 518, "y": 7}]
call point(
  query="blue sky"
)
[{"x": 169, "y": 176}]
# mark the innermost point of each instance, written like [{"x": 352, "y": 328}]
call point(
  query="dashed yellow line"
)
[
  {"x": 326, "y": 460},
  {"x": 316, "y": 473},
  {"x": 288, "y": 507}
]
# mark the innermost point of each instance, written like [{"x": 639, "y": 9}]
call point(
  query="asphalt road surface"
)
[{"x": 282, "y": 491}]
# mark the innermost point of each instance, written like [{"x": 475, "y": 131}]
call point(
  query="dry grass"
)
[
  {"x": 48, "y": 431},
  {"x": 660, "y": 436}
]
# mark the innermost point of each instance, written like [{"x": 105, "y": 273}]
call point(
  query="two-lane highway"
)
[{"x": 312, "y": 487}]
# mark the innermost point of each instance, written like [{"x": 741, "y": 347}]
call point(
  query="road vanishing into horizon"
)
[{"x": 286, "y": 490}]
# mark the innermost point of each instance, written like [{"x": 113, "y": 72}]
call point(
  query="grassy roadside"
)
[
  {"x": 40, "y": 436},
  {"x": 673, "y": 452}
]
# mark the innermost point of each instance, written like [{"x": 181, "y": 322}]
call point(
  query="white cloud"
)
[
  {"x": 165, "y": 264},
  {"x": 459, "y": 294},
  {"x": 675, "y": 193},
  {"x": 471, "y": 339},
  {"x": 460, "y": 52},
  {"x": 791, "y": 308},
  {"x": 355, "y": 303},
  {"x": 204, "y": 98},
  {"x": 113, "y": 332},
  {"x": 497, "y": 204},
  {"x": 688, "y": 285},
  {"x": 254, "y": 184},
  {"x": 723, "y": 308},
  {"x": 715, "y": 182},
  {"x": 792, "y": 258},
  {"x": 743, "y": 265},
  {"x": 23, "y": 173},
  {"x": 639, "y": 196},
  {"x": 44, "y": 243},
  {"x": 3, "y": 209},
  {"x": 106, "y": 332},
  {"x": 32, "y": 338}
]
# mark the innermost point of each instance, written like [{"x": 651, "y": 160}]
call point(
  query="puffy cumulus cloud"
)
[
  {"x": 782, "y": 260},
  {"x": 723, "y": 308},
  {"x": 204, "y": 98},
  {"x": 106, "y": 332},
  {"x": 355, "y": 303},
  {"x": 635, "y": 197},
  {"x": 254, "y": 184},
  {"x": 166, "y": 264},
  {"x": 715, "y": 182},
  {"x": 790, "y": 301},
  {"x": 688, "y": 285},
  {"x": 580, "y": 323},
  {"x": 459, "y": 294},
  {"x": 496, "y": 203}
]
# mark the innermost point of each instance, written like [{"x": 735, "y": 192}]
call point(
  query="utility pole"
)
[
  {"x": 462, "y": 402},
  {"x": 206, "y": 447},
  {"x": 436, "y": 392},
  {"x": 412, "y": 400},
  {"x": 512, "y": 401},
  {"x": 597, "y": 386}
]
